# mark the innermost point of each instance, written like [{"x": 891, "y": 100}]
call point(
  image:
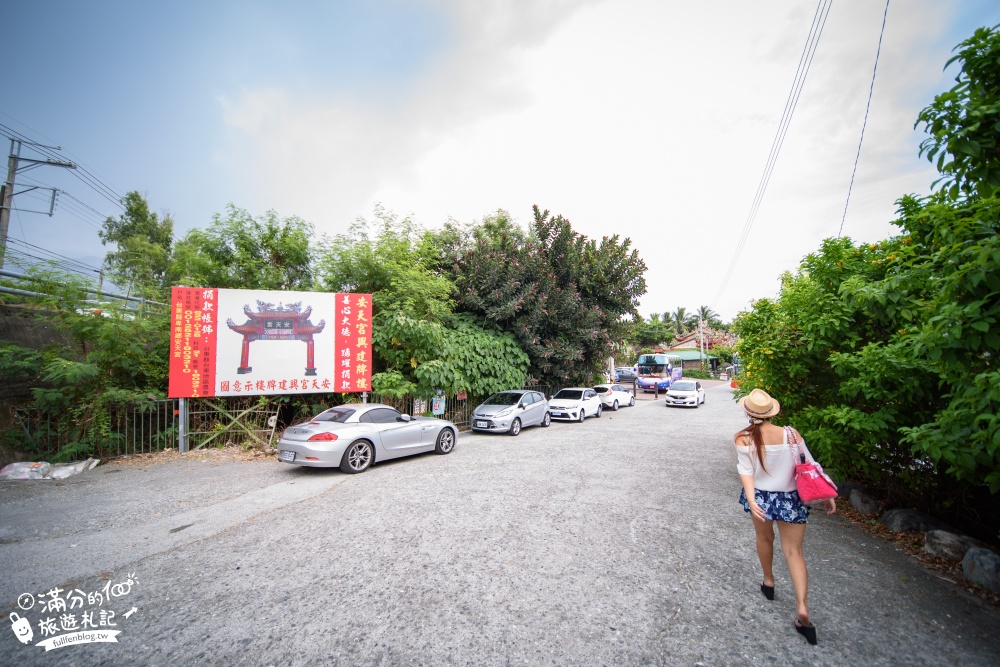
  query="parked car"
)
[
  {"x": 614, "y": 395},
  {"x": 575, "y": 404},
  {"x": 355, "y": 436},
  {"x": 625, "y": 375},
  {"x": 686, "y": 392},
  {"x": 509, "y": 411}
]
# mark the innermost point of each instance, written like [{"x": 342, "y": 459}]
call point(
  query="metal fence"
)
[
  {"x": 245, "y": 421},
  {"x": 123, "y": 429},
  {"x": 457, "y": 410}
]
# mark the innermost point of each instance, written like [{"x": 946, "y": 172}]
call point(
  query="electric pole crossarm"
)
[
  {"x": 43, "y": 163},
  {"x": 14, "y": 161}
]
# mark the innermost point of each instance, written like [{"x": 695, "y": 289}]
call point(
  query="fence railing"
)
[{"x": 128, "y": 429}]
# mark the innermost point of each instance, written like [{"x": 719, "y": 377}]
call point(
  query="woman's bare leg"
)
[
  {"x": 792, "y": 535},
  {"x": 765, "y": 548}
]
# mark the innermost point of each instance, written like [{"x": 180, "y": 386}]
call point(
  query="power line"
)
[
  {"x": 81, "y": 172},
  {"x": 805, "y": 62},
  {"x": 865, "y": 123},
  {"x": 81, "y": 166},
  {"x": 14, "y": 255},
  {"x": 57, "y": 255}
]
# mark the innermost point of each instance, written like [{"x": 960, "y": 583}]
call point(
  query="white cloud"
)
[{"x": 645, "y": 118}]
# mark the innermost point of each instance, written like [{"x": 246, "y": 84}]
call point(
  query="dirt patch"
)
[
  {"x": 913, "y": 544},
  {"x": 214, "y": 454}
]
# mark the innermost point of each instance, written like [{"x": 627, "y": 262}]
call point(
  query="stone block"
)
[
  {"x": 904, "y": 521},
  {"x": 863, "y": 502},
  {"x": 942, "y": 544},
  {"x": 982, "y": 566}
]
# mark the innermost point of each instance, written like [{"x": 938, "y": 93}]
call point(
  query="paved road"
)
[{"x": 614, "y": 542}]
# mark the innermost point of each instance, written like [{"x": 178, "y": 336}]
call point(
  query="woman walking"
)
[{"x": 766, "y": 465}]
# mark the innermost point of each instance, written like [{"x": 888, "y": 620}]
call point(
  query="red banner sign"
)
[
  {"x": 288, "y": 343},
  {"x": 192, "y": 342}
]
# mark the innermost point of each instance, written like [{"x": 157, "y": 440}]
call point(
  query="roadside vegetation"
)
[
  {"x": 885, "y": 354},
  {"x": 466, "y": 309}
]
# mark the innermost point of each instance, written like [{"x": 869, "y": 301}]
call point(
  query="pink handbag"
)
[{"x": 810, "y": 481}]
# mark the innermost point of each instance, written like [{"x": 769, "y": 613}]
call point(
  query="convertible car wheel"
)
[
  {"x": 358, "y": 457},
  {"x": 445, "y": 441}
]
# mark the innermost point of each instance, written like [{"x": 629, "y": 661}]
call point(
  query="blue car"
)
[{"x": 625, "y": 375}]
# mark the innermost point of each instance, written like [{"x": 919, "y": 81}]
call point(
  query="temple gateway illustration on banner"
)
[{"x": 288, "y": 322}]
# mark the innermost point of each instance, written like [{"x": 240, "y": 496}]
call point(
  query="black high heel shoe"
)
[
  {"x": 768, "y": 591},
  {"x": 807, "y": 631}
]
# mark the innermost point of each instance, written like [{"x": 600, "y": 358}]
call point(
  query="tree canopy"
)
[
  {"x": 564, "y": 297},
  {"x": 143, "y": 243},
  {"x": 240, "y": 251}
]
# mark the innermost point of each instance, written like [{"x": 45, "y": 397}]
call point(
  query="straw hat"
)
[{"x": 759, "y": 404}]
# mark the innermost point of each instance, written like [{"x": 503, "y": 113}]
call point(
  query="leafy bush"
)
[
  {"x": 884, "y": 354},
  {"x": 112, "y": 356}
]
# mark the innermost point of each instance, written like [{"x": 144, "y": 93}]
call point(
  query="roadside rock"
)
[
  {"x": 863, "y": 502},
  {"x": 982, "y": 566},
  {"x": 904, "y": 521},
  {"x": 942, "y": 544}
]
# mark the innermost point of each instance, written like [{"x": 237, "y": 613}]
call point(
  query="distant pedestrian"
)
[{"x": 766, "y": 465}]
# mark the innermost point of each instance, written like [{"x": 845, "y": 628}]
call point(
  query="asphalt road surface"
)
[{"x": 614, "y": 542}]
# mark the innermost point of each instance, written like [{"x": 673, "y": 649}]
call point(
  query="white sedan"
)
[
  {"x": 575, "y": 404},
  {"x": 685, "y": 392},
  {"x": 614, "y": 395}
]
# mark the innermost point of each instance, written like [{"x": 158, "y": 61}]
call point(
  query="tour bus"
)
[{"x": 658, "y": 371}]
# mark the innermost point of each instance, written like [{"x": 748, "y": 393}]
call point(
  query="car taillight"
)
[{"x": 324, "y": 436}]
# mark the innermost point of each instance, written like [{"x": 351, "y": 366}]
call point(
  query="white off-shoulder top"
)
[{"x": 780, "y": 461}]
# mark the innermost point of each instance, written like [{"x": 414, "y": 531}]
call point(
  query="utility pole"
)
[
  {"x": 701, "y": 342},
  {"x": 7, "y": 193}
]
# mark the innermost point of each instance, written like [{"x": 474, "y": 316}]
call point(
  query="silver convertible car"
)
[{"x": 354, "y": 436}]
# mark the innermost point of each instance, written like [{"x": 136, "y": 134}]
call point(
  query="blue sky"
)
[{"x": 650, "y": 119}]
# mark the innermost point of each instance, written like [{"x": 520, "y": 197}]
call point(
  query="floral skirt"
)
[{"x": 778, "y": 505}]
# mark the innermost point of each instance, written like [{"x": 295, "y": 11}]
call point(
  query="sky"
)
[{"x": 651, "y": 119}]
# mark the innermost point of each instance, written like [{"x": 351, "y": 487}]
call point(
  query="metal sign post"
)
[{"x": 182, "y": 428}]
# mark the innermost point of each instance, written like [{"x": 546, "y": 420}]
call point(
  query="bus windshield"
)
[{"x": 661, "y": 366}]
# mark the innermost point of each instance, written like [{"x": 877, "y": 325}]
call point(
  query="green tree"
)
[
  {"x": 708, "y": 316},
  {"x": 654, "y": 331},
  {"x": 963, "y": 123},
  {"x": 240, "y": 251},
  {"x": 399, "y": 267},
  {"x": 566, "y": 298},
  {"x": 683, "y": 321},
  {"x": 142, "y": 243}
]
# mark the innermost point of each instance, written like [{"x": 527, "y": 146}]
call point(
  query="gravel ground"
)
[{"x": 617, "y": 541}]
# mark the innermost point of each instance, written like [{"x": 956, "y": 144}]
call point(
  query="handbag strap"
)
[{"x": 798, "y": 455}]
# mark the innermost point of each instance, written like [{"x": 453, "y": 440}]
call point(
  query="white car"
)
[
  {"x": 575, "y": 404},
  {"x": 614, "y": 395},
  {"x": 685, "y": 392}
]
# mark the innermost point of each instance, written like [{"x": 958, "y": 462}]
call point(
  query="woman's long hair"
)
[{"x": 753, "y": 434}]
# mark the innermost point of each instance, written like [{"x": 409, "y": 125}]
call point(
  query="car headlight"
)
[{"x": 504, "y": 413}]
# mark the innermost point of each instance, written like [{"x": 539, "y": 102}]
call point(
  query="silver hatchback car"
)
[{"x": 510, "y": 411}]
